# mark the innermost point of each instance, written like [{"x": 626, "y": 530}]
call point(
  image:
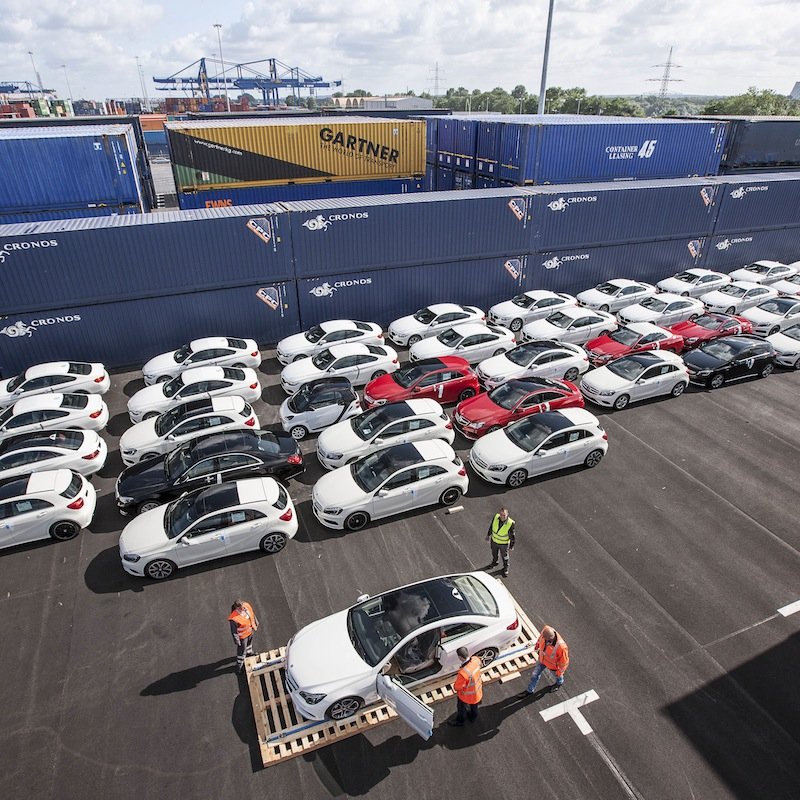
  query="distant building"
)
[
  {"x": 404, "y": 102},
  {"x": 795, "y": 93}
]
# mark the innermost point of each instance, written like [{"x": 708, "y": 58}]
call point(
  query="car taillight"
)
[
  {"x": 605, "y": 436},
  {"x": 92, "y": 455},
  {"x": 484, "y": 316},
  {"x": 254, "y": 385},
  {"x": 76, "y": 504},
  {"x": 449, "y": 426},
  {"x": 100, "y": 379},
  {"x": 514, "y": 625},
  {"x": 250, "y": 422},
  {"x": 462, "y": 472},
  {"x": 254, "y": 354},
  {"x": 295, "y": 458},
  {"x": 394, "y": 361},
  {"x": 95, "y": 414},
  {"x": 287, "y": 515},
  {"x": 380, "y": 336}
]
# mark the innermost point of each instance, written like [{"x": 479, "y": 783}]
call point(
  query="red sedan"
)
[
  {"x": 635, "y": 337},
  {"x": 447, "y": 380},
  {"x": 511, "y": 401},
  {"x": 710, "y": 326}
]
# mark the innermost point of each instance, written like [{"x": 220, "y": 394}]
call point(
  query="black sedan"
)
[
  {"x": 220, "y": 457},
  {"x": 732, "y": 358}
]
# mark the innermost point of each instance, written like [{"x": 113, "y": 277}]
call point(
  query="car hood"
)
[
  {"x": 595, "y": 298},
  {"x": 606, "y": 346},
  {"x": 297, "y": 343},
  {"x": 147, "y": 397},
  {"x": 321, "y": 654},
  {"x": 430, "y": 348},
  {"x": 141, "y": 478},
  {"x": 638, "y": 313},
  {"x": 672, "y": 285},
  {"x": 758, "y": 315},
  {"x": 406, "y": 325},
  {"x": 716, "y": 298},
  {"x": 140, "y": 435},
  {"x": 499, "y": 365},
  {"x": 508, "y": 310},
  {"x": 542, "y": 329},
  {"x": 144, "y": 533},
  {"x": 339, "y": 438},
  {"x": 300, "y": 371},
  {"x": 698, "y": 359},
  {"x": 337, "y": 488},
  {"x": 497, "y": 448},
  {"x": 688, "y": 329},
  {"x": 482, "y": 409},
  {"x": 604, "y": 379},
  {"x": 385, "y": 387},
  {"x": 161, "y": 365}
]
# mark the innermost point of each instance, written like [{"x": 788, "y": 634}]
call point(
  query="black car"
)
[
  {"x": 731, "y": 358},
  {"x": 212, "y": 459}
]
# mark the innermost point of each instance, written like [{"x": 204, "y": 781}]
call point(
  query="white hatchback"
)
[
  {"x": 572, "y": 324},
  {"x": 789, "y": 285},
  {"x": 384, "y": 426},
  {"x": 737, "y": 296},
  {"x": 693, "y": 282},
  {"x": 526, "y": 307},
  {"x": 773, "y": 315},
  {"x": 540, "y": 358},
  {"x": 83, "y": 452},
  {"x": 662, "y": 309},
  {"x": 335, "y": 331},
  {"x": 211, "y": 351},
  {"x": 471, "y": 341},
  {"x": 47, "y": 412},
  {"x": 615, "y": 294},
  {"x": 56, "y": 376},
  {"x": 431, "y": 320},
  {"x": 787, "y": 346},
  {"x": 764, "y": 272}
]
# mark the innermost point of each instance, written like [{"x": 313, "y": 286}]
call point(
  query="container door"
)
[{"x": 413, "y": 711}]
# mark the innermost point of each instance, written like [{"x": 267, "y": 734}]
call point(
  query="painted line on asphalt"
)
[
  {"x": 571, "y": 707},
  {"x": 792, "y": 608}
]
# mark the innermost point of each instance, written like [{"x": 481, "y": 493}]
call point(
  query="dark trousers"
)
[
  {"x": 468, "y": 710},
  {"x": 502, "y": 550},
  {"x": 243, "y": 648}
]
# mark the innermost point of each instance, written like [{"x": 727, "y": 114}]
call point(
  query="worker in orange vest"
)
[
  {"x": 553, "y": 655},
  {"x": 468, "y": 687},
  {"x": 244, "y": 624}
]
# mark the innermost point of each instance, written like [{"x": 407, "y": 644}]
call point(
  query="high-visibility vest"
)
[
  {"x": 554, "y": 656},
  {"x": 469, "y": 685},
  {"x": 244, "y": 619},
  {"x": 500, "y": 531}
]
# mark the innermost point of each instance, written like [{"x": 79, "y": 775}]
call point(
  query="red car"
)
[
  {"x": 511, "y": 401},
  {"x": 447, "y": 380},
  {"x": 632, "y": 338},
  {"x": 710, "y": 326}
]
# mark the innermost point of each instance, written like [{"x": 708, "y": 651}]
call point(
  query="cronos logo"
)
[
  {"x": 739, "y": 194},
  {"x": 320, "y": 223},
  {"x": 564, "y": 202},
  {"x": 726, "y": 244},
  {"x": 20, "y": 328},
  {"x": 329, "y": 289},
  {"x": 10, "y": 248},
  {"x": 558, "y": 261}
]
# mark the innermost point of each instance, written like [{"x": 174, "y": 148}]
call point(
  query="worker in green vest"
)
[{"x": 501, "y": 538}]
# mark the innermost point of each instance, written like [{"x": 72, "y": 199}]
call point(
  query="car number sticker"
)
[{"x": 440, "y": 390}]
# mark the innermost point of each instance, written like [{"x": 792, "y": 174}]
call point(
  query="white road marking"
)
[
  {"x": 571, "y": 707},
  {"x": 792, "y": 608}
]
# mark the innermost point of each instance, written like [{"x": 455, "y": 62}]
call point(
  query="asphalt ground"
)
[{"x": 664, "y": 569}]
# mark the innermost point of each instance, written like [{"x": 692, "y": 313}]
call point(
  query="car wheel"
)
[
  {"x": 486, "y": 656},
  {"x": 498, "y": 352},
  {"x": 516, "y": 324},
  {"x": 298, "y": 432},
  {"x": 379, "y": 373},
  {"x": 466, "y": 394},
  {"x": 493, "y": 429},
  {"x": 273, "y": 542},
  {"x": 450, "y": 496},
  {"x": 356, "y": 521},
  {"x": 148, "y": 505},
  {"x": 162, "y": 378},
  {"x": 64, "y": 530},
  {"x": 413, "y": 340},
  {"x": 517, "y": 478},
  {"x": 621, "y": 402},
  {"x": 593, "y": 459},
  {"x": 766, "y": 370},
  {"x": 571, "y": 374},
  {"x": 344, "y": 708},
  {"x": 684, "y": 294},
  {"x": 159, "y": 569},
  {"x": 604, "y": 333},
  {"x": 677, "y": 389},
  {"x": 796, "y": 364},
  {"x": 775, "y": 329},
  {"x": 730, "y": 310},
  {"x": 298, "y": 358},
  {"x": 239, "y": 365},
  {"x": 604, "y": 307},
  {"x": 716, "y": 381},
  {"x": 693, "y": 317},
  {"x": 150, "y": 415}
]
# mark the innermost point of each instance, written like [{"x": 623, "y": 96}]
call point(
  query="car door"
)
[
  {"x": 394, "y": 495},
  {"x": 203, "y": 541},
  {"x": 408, "y": 707},
  {"x": 22, "y": 461},
  {"x": 211, "y": 356},
  {"x": 204, "y": 472},
  {"x": 366, "y": 365},
  {"x": 47, "y": 383},
  {"x": 548, "y": 365},
  {"x": 583, "y": 329},
  {"x": 246, "y": 527},
  {"x": 626, "y": 297},
  {"x": 550, "y": 455},
  {"x": 433, "y": 385},
  {"x": 648, "y": 384},
  {"x": 232, "y": 466},
  {"x": 327, "y": 407},
  {"x": 188, "y": 392},
  {"x": 679, "y": 311},
  {"x": 346, "y": 366},
  {"x": 29, "y": 520},
  {"x": 339, "y": 337},
  {"x": 189, "y": 429},
  {"x": 577, "y": 445},
  {"x": 755, "y": 296},
  {"x": 427, "y": 484},
  {"x": 396, "y": 433},
  {"x": 743, "y": 364}
]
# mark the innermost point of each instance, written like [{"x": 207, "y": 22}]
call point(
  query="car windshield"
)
[
  {"x": 425, "y": 316},
  {"x": 780, "y": 305},
  {"x": 607, "y": 288},
  {"x": 6, "y": 415},
  {"x": 365, "y": 425},
  {"x": 528, "y": 433},
  {"x": 733, "y": 291},
  {"x": 560, "y": 320},
  {"x": 409, "y": 375},
  {"x": 323, "y": 360},
  {"x": 177, "y": 462},
  {"x": 380, "y": 623},
  {"x": 15, "y": 383},
  {"x": 507, "y": 395},
  {"x": 314, "y": 334},
  {"x": 300, "y": 400},
  {"x": 372, "y": 470},
  {"x": 626, "y": 368},
  {"x": 173, "y": 386},
  {"x": 180, "y": 515},
  {"x": 706, "y": 321},
  {"x": 685, "y": 277},
  {"x": 523, "y": 301},
  {"x": 792, "y": 333},
  {"x": 653, "y": 303},
  {"x": 167, "y": 421},
  {"x": 450, "y": 337},
  {"x": 522, "y": 355},
  {"x": 793, "y": 279},
  {"x": 182, "y": 353},
  {"x": 758, "y": 269},
  {"x": 624, "y": 336},
  {"x": 719, "y": 349}
]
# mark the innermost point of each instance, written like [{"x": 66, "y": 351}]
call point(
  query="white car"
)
[
  {"x": 773, "y": 315},
  {"x": 194, "y": 384},
  {"x": 538, "y": 444},
  {"x": 615, "y": 294},
  {"x": 526, "y": 307},
  {"x": 472, "y": 341},
  {"x": 338, "y": 664},
  {"x": 384, "y": 426},
  {"x": 431, "y": 320},
  {"x": 635, "y": 377},
  {"x": 318, "y": 404},
  {"x": 58, "y": 376},
  {"x": 693, "y": 282},
  {"x": 391, "y": 481},
  {"x": 764, "y": 272},
  {"x": 212, "y": 522},
  {"x": 572, "y": 324},
  {"x": 787, "y": 346},
  {"x": 737, "y": 296},
  {"x": 54, "y": 503},
  {"x": 162, "y": 434},
  {"x": 212, "y": 351},
  {"x": 359, "y": 363},
  {"x": 662, "y": 309},
  {"x": 540, "y": 358},
  {"x": 47, "y": 412},
  {"x": 83, "y": 452},
  {"x": 322, "y": 336},
  {"x": 790, "y": 285}
]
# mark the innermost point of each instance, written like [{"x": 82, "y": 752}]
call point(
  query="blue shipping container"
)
[
  {"x": 751, "y": 202},
  {"x": 431, "y": 137},
  {"x": 733, "y": 250},
  {"x": 331, "y": 237},
  {"x": 445, "y": 179},
  {"x": 50, "y": 265},
  {"x": 253, "y": 195},
  {"x": 761, "y": 143},
  {"x": 47, "y": 169},
  {"x": 485, "y": 182},
  {"x": 75, "y": 213},
  {"x": 463, "y": 180},
  {"x": 430, "y": 177},
  {"x": 487, "y": 147},
  {"x": 446, "y": 135},
  {"x": 141, "y": 329}
]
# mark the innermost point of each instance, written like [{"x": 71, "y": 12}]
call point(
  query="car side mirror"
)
[
  {"x": 170, "y": 437},
  {"x": 640, "y": 380},
  {"x": 417, "y": 389},
  {"x": 378, "y": 440},
  {"x": 382, "y": 492}
]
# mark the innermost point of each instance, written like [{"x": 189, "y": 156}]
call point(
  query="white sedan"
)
[
  {"x": 359, "y": 363},
  {"x": 540, "y": 358},
  {"x": 526, "y": 307},
  {"x": 83, "y": 452},
  {"x": 638, "y": 376},
  {"x": 764, "y": 272},
  {"x": 572, "y": 324},
  {"x": 47, "y": 412},
  {"x": 472, "y": 341},
  {"x": 615, "y": 294},
  {"x": 212, "y": 351},
  {"x": 693, "y": 282},
  {"x": 54, "y": 503},
  {"x": 158, "y": 435},
  {"x": 384, "y": 426},
  {"x": 339, "y": 664},
  {"x": 538, "y": 444},
  {"x": 773, "y": 315},
  {"x": 662, "y": 309},
  {"x": 787, "y": 346},
  {"x": 431, "y": 320},
  {"x": 57, "y": 376},
  {"x": 194, "y": 384},
  {"x": 392, "y": 481},
  {"x": 336, "y": 331},
  {"x": 789, "y": 285},
  {"x": 737, "y": 296},
  {"x": 209, "y": 523}
]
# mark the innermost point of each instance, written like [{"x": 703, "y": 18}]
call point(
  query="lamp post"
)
[
  {"x": 543, "y": 87},
  {"x": 222, "y": 64},
  {"x": 66, "y": 78}
]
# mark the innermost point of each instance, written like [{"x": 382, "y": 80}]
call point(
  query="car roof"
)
[
  {"x": 650, "y": 357},
  {"x": 225, "y": 442},
  {"x": 47, "y": 400},
  {"x": 257, "y": 490},
  {"x": 198, "y": 374},
  {"x": 576, "y": 416},
  {"x": 435, "y": 364},
  {"x": 469, "y": 328},
  {"x": 644, "y": 328},
  {"x": 51, "y": 368},
  {"x": 434, "y": 449},
  {"x": 543, "y": 344},
  {"x": 420, "y": 405},
  {"x": 208, "y": 341},
  {"x": 744, "y": 285},
  {"x": 763, "y": 263},
  {"x": 327, "y": 382},
  {"x": 336, "y": 325},
  {"x": 38, "y": 440},
  {"x": 575, "y": 311},
  {"x": 669, "y": 297},
  {"x": 352, "y": 349},
  {"x": 623, "y": 282},
  {"x": 743, "y": 340},
  {"x": 533, "y": 384},
  {"x": 443, "y": 308}
]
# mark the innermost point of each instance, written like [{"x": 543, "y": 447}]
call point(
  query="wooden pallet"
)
[{"x": 284, "y": 734}]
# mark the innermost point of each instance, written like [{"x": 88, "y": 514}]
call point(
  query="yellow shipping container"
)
[{"x": 210, "y": 154}]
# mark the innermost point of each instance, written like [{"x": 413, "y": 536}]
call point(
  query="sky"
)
[{"x": 721, "y": 47}]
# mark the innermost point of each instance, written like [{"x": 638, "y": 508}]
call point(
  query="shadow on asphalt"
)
[
  {"x": 189, "y": 678},
  {"x": 270, "y": 366},
  {"x": 245, "y": 725},
  {"x": 131, "y": 387},
  {"x": 106, "y": 517},
  {"x": 118, "y": 424},
  {"x": 113, "y": 465},
  {"x": 273, "y": 395}
]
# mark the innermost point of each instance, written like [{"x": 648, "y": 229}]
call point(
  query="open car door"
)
[{"x": 413, "y": 711}]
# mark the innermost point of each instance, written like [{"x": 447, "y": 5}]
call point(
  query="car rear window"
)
[
  {"x": 376, "y": 350},
  {"x": 363, "y": 326},
  {"x": 239, "y": 344},
  {"x": 74, "y": 487},
  {"x": 233, "y": 374},
  {"x": 76, "y": 368},
  {"x": 283, "y": 499},
  {"x": 69, "y": 440},
  {"x": 75, "y": 401},
  {"x": 246, "y": 411}
]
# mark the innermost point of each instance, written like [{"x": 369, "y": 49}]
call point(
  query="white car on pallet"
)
[
  {"x": 791, "y": 285},
  {"x": 737, "y": 296},
  {"x": 773, "y": 315},
  {"x": 212, "y": 351},
  {"x": 319, "y": 337},
  {"x": 83, "y": 452},
  {"x": 540, "y": 358},
  {"x": 431, "y": 320},
  {"x": 75, "y": 377},
  {"x": 615, "y": 294},
  {"x": 693, "y": 282},
  {"x": 472, "y": 341},
  {"x": 787, "y": 347},
  {"x": 47, "y": 412},
  {"x": 526, "y": 307},
  {"x": 662, "y": 309},
  {"x": 763, "y": 272},
  {"x": 571, "y": 324}
]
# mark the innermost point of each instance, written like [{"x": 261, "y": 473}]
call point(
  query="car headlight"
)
[
  {"x": 379, "y": 402},
  {"x": 607, "y": 393},
  {"x": 334, "y": 456},
  {"x": 123, "y": 499},
  {"x": 704, "y": 372},
  {"x": 310, "y": 698},
  {"x": 496, "y": 467},
  {"x": 131, "y": 452},
  {"x": 332, "y": 510},
  {"x": 475, "y": 425},
  {"x": 131, "y": 557},
  {"x": 693, "y": 339}
]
